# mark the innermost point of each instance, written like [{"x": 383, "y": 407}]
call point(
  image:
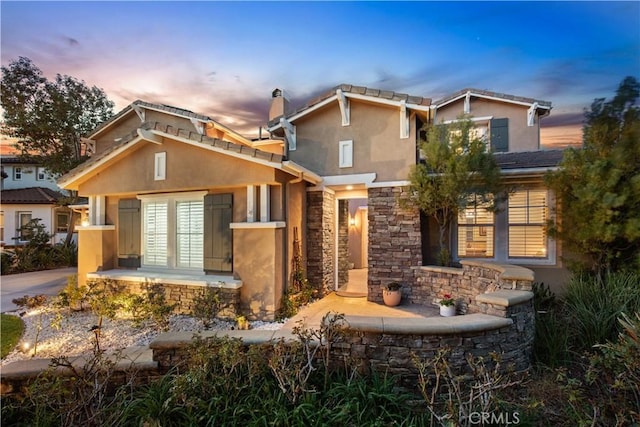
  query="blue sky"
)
[{"x": 223, "y": 59}]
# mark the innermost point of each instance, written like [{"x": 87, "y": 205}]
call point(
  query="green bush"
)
[
  {"x": 551, "y": 343},
  {"x": 38, "y": 253},
  {"x": 594, "y": 306}
]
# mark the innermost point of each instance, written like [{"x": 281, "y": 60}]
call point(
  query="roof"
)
[
  {"x": 361, "y": 92},
  {"x": 16, "y": 160},
  {"x": 165, "y": 108},
  {"x": 152, "y": 129},
  {"x": 489, "y": 94},
  {"x": 529, "y": 159},
  {"x": 31, "y": 196}
]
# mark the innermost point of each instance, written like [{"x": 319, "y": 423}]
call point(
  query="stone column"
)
[
  {"x": 394, "y": 242},
  {"x": 343, "y": 242},
  {"x": 321, "y": 240}
]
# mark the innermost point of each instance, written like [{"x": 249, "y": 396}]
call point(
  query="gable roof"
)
[
  {"x": 502, "y": 97},
  {"x": 31, "y": 196},
  {"x": 181, "y": 112},
  {"x": 356, "y": 92},
  {"x": 154, "y": 132}
]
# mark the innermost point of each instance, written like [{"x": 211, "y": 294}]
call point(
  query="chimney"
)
[{"x": 279, "y": 104}]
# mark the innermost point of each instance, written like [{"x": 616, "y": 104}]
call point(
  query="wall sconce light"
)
[{"x": 352, "y": 221}]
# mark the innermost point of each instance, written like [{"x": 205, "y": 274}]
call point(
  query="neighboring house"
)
[
  {"x": 29, "y": 192},
  {"x": 175, "y": 197}
]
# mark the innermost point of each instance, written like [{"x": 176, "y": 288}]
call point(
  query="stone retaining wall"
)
[
  {"x": 182, "y": 294},
  {"x": 466, "y": 283}
]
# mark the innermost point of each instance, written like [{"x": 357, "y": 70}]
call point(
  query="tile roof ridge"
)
[{"x": 485, "y": 92}]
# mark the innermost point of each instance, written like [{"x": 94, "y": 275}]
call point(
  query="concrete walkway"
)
[{"x": 48, "y": 282}]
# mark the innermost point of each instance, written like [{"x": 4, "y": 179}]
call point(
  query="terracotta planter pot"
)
[
  {"x": 391, "y": 298},
  {"x": 447, "y": 310}
]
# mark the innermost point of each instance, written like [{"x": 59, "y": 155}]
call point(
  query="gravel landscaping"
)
[{"x": 68, "y": 334}]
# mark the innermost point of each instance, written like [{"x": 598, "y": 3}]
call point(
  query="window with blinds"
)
[
  {"x": 155, "y": 233},
  {"x": 190, "y": 233},
  {"x": 476, "y": 233},
  {"x": 528, "y": 212}
]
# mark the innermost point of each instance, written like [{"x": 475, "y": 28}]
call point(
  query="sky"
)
[{"x": 223, "y": 59}]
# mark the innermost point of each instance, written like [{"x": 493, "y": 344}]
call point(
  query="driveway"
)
[{"x": 48, "y": 282}]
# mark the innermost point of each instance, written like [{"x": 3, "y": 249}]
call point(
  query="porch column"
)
[
  {"x": 395, "y": 246},
  {"x": 321, "y": 236}
]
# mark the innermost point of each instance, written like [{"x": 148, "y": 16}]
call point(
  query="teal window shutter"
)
[
  {"x": 218, "y": 245},
  {"x": 129, "y": 221},
  {"x": 499, "y": 135}
]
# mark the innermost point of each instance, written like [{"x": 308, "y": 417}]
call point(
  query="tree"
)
[
  {"x": 599, "y": 186},
  {"x": 458, "y": 172},
  {"x": 49, "y": 117}
]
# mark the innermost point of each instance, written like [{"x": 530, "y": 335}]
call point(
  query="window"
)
[
  {"x": 155, "y": 219},
  {"x": 173, "y": 231},
  {"x": 475, "y": 233},
  {"x": 1, "y": 226},
  {"x": 190, "y": 233},
  {"x": 23, "y": 219},
  {"x": 17, "y": 174},
  {"x": 160, "y": 166},
  {"x": 62, "y": 222},
  {"x": 527, "y": 217},
  {"x": 41, "y": 174},
  {"x": 345, "y": 154}
]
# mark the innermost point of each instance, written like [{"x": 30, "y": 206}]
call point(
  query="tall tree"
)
[
  {"x": 458, "y": 172},
  {"x": 49, "y": 118},
  {"x": 599, "y": 186}
]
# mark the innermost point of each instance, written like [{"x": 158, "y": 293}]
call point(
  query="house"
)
[
  {"x": 30, "y": 192},
  {"x": 178, "y": 199},
  {"x": 363, "y": 142}
]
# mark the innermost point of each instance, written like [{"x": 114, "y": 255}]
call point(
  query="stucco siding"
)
[
  {"x": 521, "y": 136},
  {"x": 187, "y": 168},
  {"x": 375, "y": 132}
]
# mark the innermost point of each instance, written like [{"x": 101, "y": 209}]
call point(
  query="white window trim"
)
[
  {"x": 160, "y": 166},
  {"x": 19, "y": 224},
  {"x": 170, "y": 199},
  {"x": 40, "y": 170},
  {"x": 345, "y": 161},
  {"x": 501, "y": 238},
  {"x": 17, "y": 174}
]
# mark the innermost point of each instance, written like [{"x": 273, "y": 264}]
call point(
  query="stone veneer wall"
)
[
  {"x": 387, "y": 353},
  {"x": 182, "y": 295},
  {"x": 466, "y": 283},
  {"x": 394, "y": 241},
  {"x": 320, "y": 240},
  {"x": 343, "y": 242}
]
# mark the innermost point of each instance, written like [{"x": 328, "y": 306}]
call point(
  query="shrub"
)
[
  {"x": 206, "y": 305},
  {"x": 551, "y": 343},
  {"x": 595, "y": 305}
]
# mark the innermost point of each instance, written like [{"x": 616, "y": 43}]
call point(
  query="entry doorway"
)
[{"x": 353, "y": 247}]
